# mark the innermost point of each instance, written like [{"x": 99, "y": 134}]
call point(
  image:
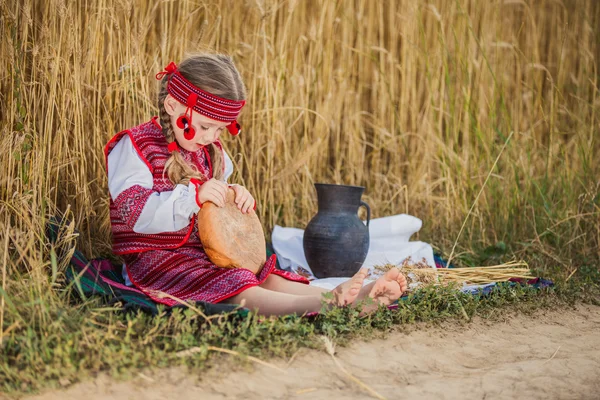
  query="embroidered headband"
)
[{"x": 201, "y": 101}]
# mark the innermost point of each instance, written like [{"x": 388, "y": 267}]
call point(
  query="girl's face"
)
[{"x": 207, "y": 130}]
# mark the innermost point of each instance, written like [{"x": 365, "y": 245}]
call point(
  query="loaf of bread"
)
[{"x": 230, "y": 238}]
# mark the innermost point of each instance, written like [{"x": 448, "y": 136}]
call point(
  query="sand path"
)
[{"x": 552, "y": 355}]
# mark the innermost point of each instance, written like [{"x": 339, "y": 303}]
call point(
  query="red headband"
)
[{"x": 201, "y": 101}]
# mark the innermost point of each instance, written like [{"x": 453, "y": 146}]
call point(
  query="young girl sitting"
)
[{"x": 162, "y": 171}]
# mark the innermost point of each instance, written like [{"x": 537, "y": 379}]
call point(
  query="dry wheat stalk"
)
[{"x": 422, "y": 274}]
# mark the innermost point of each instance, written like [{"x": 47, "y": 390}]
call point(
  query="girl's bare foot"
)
[
  {"x": 384, "y": 290},
  {"x": 348, "y": 292},
  {"x": 389, "y": 287}
]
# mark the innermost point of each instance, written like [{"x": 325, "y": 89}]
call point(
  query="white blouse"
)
[{"x": 163, "y": 212}]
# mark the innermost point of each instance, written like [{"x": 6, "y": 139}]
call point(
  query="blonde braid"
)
[{"x": 216, "y": 158}]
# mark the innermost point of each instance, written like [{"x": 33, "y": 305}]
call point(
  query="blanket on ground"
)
[{"x": 100, "y": 277}]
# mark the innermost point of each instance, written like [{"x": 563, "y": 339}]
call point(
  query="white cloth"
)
[
  {"x": 228, "y": 166},
  {"x": 389, "y": 243},
  {"x": 126, "y": 276},
  {"x": 168, "y": 211}
]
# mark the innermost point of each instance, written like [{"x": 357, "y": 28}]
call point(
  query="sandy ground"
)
[{"x": 552, "y": 355}]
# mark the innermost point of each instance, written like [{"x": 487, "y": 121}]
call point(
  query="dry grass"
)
[
  {"x": 421, "y": 273},
  {"x": 413, "y": 99}
]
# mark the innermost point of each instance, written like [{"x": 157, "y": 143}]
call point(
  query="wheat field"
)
[{"x": 482, "y": 118}]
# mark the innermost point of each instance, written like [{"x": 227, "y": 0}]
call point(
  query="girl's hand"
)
[
  {"x": 243, "y": 199},
  {"x": 214, "y": 191}
]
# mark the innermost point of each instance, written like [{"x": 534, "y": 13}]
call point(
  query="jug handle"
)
[{"x": 365, "y": 205}]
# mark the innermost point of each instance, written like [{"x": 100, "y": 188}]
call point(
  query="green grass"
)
[{"x": 86, "y": 339}]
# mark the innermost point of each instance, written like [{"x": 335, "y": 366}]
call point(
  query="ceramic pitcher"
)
[{"x": 336, "y": 241}]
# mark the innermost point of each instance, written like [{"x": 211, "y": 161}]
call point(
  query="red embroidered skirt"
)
[{"x": 187, "y": 274}]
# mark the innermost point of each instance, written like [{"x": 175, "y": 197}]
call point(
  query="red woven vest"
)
[{"x": 151, "y": 146}]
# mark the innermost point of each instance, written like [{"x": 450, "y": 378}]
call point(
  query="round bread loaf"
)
[{"x": 230, "y": 238}]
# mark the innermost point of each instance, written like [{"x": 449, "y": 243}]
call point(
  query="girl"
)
[{"x": 162, "y": 171}]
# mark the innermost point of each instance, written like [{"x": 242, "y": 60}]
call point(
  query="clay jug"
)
[{"x": 336, "y": 241}]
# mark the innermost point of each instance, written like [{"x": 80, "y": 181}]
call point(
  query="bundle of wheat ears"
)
[{"x": 420, "y": 273}]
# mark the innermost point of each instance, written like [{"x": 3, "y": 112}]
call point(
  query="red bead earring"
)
[
  {"x": 234, "y": 128},
  {"x": 182, "y": 121},
  {"x": 188, "y": 131}
]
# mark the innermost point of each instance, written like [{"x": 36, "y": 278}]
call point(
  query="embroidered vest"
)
[{"x": 151, "y": 146}]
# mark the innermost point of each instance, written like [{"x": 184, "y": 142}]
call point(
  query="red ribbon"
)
[
  {"x": 191, "y": 102},
  {"x": 173, "y": 146},
  {"x": 169, "y": 69},
  {"x": 198, "y": 183}
]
